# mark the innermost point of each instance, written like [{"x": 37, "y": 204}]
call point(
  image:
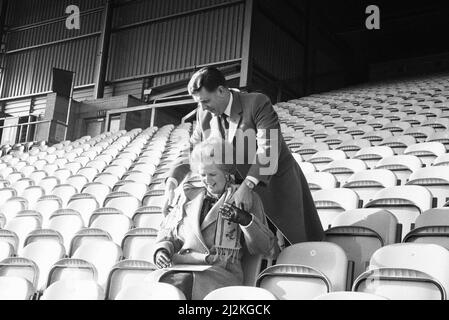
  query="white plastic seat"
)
[
  {"x": 431, "y": 227},
  {"x": 78, "y": 181},
  {"x": 13, "y": 206},
  {"x": 44, "y": 253},
  {"x": 330, "y": 203},
  {"x": 129, "y": 273},
  {"x": 367, "y": 183},
  {"x": 136, "y": 189},
  {"x": 21, "y": 184},
  {"x": 71, "y": 269},
  {"x": 46, "y": 205},
  {"x": 154, "y": 198},
  {"x": 305, "y": 271},
  {"x": 15, "y": 288},
  {"x": 435, "y": 180},
  {"x": 351, "y": 147},
  {"x": 103, "y": 254},
  {"x": 62, "y": 174},
  {"x": 117, "y": 171},
  {"x": 398, "y": 143},
  {"x": 137, "y": 176},
  {"x": 402, "y": 166},
  {"x": 427, "y": 152},
  {"x": 7, "y": 193},
  {"x": 37, "y": 176},
  {"x": 321, "y": 159},
  {"x": 344, "y": 169},
  {"x": 89, "y": 173},
  {"x": 6, "y": 250},
  {"x": 20, "y": 267},
  {"x": 320, "y": 181},
  {"x": 64, "y": 192},
  {"x": 74, "y": 290},
  {"x": 372, "y": 155},
  {"x": 113, "y": 221},
  {"x": 240, "y": 293},
  {"x": 407, "y": 272},
  {"x": 361, "y": 232},
  {"x": 405, "y": 202},
  {"x": 107, "y": 179},
  {"x": 97, "y": 190},
  {"x": 308, "y": 150},
  {"x": 85, "y": 204},
  {"x": 122, "y": 201},
  {"x": 73, "y": 167},
  {"x": 24, "y": 223}
]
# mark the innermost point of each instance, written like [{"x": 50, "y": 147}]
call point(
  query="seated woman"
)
[{"x": 205, "y": 228}]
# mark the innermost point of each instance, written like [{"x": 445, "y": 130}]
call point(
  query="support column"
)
[
  {"x": 306, "y": 68},
  {"x": 246, "y": 67},
  {"x": 101, "y": 63}
]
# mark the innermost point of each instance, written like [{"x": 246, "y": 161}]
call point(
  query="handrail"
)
[
  {"x": 33, "y": 122},
  {"x": 151, "y": 107}
]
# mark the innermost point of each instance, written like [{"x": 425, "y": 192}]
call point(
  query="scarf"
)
[{"x": 227, "y": 241}]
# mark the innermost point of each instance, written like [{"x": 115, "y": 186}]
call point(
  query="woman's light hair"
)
[{"x": 213, "y": 151}]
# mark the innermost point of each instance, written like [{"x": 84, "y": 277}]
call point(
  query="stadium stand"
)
[{"x": 79, "y": 218}]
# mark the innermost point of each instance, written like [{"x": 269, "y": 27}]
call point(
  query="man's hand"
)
[
  {"x": 236, "y": 215},
  {"x": 169, "y": 196},
  {"x": 243, "y": 198},
  {"x": 162, "y": 259}
]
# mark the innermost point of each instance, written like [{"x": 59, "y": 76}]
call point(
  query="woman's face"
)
[{"x": 213, "y": 178}]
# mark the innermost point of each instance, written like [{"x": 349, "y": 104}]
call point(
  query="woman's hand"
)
[
  {"x": 236, "y": 215},
  {"x": 163, "y": 259}
]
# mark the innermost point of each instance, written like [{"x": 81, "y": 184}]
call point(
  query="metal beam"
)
[
  {"x": 102, "y": 57},
  {"x": 246, "y": 68}
]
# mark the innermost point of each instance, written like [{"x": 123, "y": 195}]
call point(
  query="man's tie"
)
[{"x": 224, "y": 126}]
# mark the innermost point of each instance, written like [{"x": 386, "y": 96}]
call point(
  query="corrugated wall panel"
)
[
  {"x": 270, "y": 41},
  {"x": 18, "y": 108},
  {"x": 24, "y": 12},
  {"x": 53, "y": 32},
  {"x": 200, "y": 38},
  {"x": 137, "y": 11},
  {"x": 39, "y": 105},
  {"x": 31, "y": 71}
]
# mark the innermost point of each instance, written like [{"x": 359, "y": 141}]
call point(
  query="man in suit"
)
[{"x": 265, "y": 165}]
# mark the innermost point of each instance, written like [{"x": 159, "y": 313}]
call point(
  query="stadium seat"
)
[
  {"x": 361, "y": 232},
  {"x": 85, "y": 204},
  {"x": 320, "y": 181},
  {"x": 136, "y": 189},
  {"x": 435, "y": 180},
  {"x": 77, "y": 181},
  {"x": 405, "y": 202},
  {"x": 367, "y": 183},
  {"x": 98, "y": 190},
  {"x": 128, "y": 273},
  {"x": 44, "y": 253},
  {"x": 427, "y": 152},
  {"x": 240, "y": 293},
  {"x": 305, "y": 271},
  {"x": 431, "y": 227},
  {"x": 24, "y": 223},
  {"x": 407, "y": 272},
  {"x": 344, "y": 169},
  {"x": 16, "y": 288},
  {"x": 330, "y": 203},
  {"x": 46, "y": 205},
  {"x": 122, "y": 201},
  {"x": 351, "y": 147},
  {"x": 20, "y": 267},
  {"x": 75, "y": 269},
  {"x": 372, "y": 155},
  {"x": 137, "y": 244},
  {"x": 69, "y": 289},
  {"x": 398, "y": 143},
  {"x": 321, "y": 159},
  {"x": 112, "y": 221},
  {"x": 107, "y": 179},
  {"x": 402, "y": 166}
]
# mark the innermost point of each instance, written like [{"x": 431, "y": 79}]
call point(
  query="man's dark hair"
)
[{"x": 209, "y": 78}]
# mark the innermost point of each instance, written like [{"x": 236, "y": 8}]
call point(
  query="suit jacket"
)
[
  {"x": 255, "y": 130},
  {"x": 283, "y": 188},
  {"x": 192, "y": 243}
]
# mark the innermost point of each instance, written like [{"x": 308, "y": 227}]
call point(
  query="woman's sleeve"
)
[
  {"x": 166, "y": 238},
  {"x": 258, "y": 237}
]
